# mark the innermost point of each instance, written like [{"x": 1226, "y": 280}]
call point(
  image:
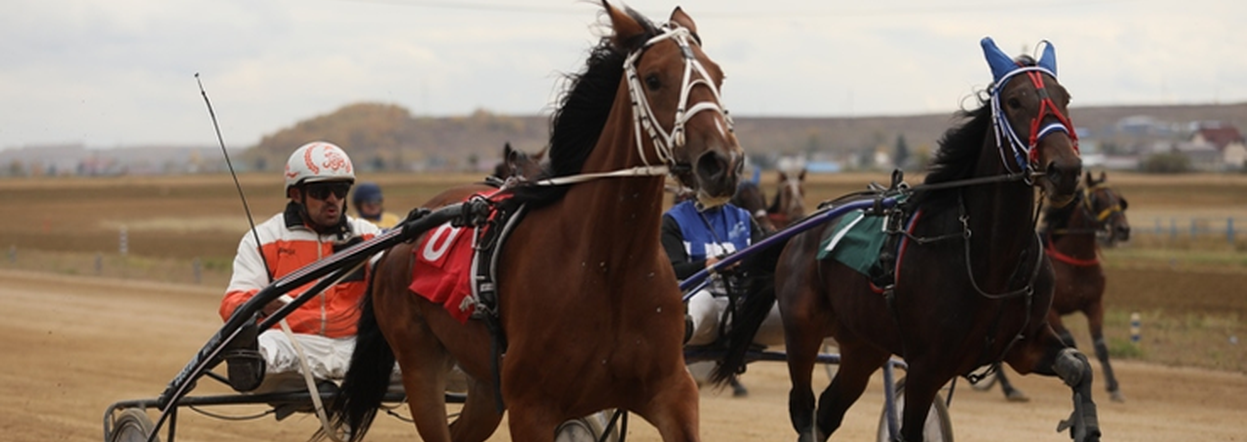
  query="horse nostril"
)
[{"x": 711, "y": 166}]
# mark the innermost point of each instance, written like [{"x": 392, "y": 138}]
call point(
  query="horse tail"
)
[
  {"x": 368, "y": 376},
  {"x": 756, "y": 306}
]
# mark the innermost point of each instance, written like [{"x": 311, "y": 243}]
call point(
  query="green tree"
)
[{"x": 900, "y": 154}]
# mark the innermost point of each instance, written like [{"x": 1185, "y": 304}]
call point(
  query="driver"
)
[{"x": 313, "y": 226}]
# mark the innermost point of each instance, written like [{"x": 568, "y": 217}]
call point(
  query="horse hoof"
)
[
  {"x": 1116, "y": 396},
  {"x": 1017, "y": 396}
]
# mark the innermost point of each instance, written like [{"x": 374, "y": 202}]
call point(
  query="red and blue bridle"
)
[{"x": 1025, "y": 156}]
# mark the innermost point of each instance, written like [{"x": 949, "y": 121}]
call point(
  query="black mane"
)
[
  {"x": 582, "y": 113},
  {"x": 959, "y": 150}
]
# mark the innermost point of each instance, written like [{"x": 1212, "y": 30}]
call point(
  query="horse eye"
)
[
  {"x": 652, "y": 82},
  {"x": 1014, "y": 103}
]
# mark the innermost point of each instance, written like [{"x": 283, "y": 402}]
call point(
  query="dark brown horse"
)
[
  {"x": 750, "y": 197},
  {"x": 518, "y": 163},
  {"x": 588, "y": 303},
  {"x": 1072, "y": 236},
  {"x": 971, "y": 285},
  {"x": 788, "y": 206}
]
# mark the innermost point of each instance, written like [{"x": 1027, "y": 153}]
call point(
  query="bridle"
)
[
  {"x": 1025, "y": 156},
  {"x": 643, "y": 116}
]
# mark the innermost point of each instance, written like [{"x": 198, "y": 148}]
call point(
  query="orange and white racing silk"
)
[{"x": 288, "y": 244}]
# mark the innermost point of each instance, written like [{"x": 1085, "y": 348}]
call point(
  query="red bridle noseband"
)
[{"x": 1025, "y": 156}]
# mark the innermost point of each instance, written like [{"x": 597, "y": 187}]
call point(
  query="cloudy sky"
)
[{"x": 108, "y": 73}]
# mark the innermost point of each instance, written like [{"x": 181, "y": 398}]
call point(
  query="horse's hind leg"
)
[
  {"x": 1047, "y": 355},
  {"x": 479, "y": 417},
  {"x": 1095, "y": 321},
  {"x": 857, "y": 362},
  {"x": 1012, "y": 394}
]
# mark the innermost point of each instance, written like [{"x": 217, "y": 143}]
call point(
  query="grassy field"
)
[{"x": 185, "y": 229}]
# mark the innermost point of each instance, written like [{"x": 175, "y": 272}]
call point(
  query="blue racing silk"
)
[{"x": 716, "y": 231}]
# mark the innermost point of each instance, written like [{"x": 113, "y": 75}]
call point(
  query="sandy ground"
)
[{"x": 74, "y": 345}]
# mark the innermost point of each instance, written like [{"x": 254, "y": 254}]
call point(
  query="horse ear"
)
[
  {"x": 629, "y": 32},
  {"x": 1102, "y": 176},
  {"x": 678, "y": 16},
  {"x": 1090, "y": 179},
  {"x": 1000, "y": 63},
  {"x": 507, "y": 150},
  {"x": 1048, "y": 59}
]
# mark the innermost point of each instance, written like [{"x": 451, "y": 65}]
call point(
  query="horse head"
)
[
  {"x": 789, "y": 203},
  {"x": 1107, "y": 210},
  {"x": 1030, "y": 116},
  {"x": 676, "y": 106},
  {"x": 518, "y": 163}
]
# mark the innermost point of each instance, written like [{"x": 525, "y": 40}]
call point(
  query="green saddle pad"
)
[{"x": 855, "y": 241}]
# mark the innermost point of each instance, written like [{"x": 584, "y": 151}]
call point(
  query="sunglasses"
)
[{"x": 321, "y": 191}]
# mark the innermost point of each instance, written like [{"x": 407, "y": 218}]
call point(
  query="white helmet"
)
[{"x": 318, "y": 161}]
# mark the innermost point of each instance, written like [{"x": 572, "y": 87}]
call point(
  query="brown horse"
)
[
  {"x": 788, "y": 206},
  {"x": 971, "y": 285},
  {"x": 1072, "y": 236},
  {"x": 589, "y": 312}
]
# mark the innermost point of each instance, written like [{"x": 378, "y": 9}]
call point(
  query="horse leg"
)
[
  {"x": 857, "y": 362},
  {"x": 674, "y": 411},
  {"x": 1012, "y": 394},
  {"x": 1054, "y": 320},
  {"x": 1047, "y": 355},
  {"x": 1095, "y": 321},
  {"x": 803, "y": 338},
  {"x": 921, "y": 387},
  {"x": 479, "y": 417},
  {"x": 424, "y": 365},
  {"x": 801, "y": 360}
]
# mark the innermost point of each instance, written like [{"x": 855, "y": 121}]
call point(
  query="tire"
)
[
  {"x": 587, "y": 429},
  {"x": 132, "y": 425},
  {"x": 938, "y": 428}
]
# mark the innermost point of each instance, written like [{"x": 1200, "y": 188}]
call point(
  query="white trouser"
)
[{"x": 706, "y": 310}]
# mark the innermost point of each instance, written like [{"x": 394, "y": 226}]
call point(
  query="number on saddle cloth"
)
[{"x": 454, "y": 262}]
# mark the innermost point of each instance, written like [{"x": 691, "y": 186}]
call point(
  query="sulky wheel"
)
[
  {"x": 587, "y": 429},
  {"x": 131, "y": 425},
  {"x": 938, "y": 428}
]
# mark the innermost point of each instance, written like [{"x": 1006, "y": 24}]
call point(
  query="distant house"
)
[{"x": 1227, "y": 141}]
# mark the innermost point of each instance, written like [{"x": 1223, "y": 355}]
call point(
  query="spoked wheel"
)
[
  {"x": 938, "y": 427},
  {"x": 132, "y": 425},
  {"x": 587, "y": 429},
  {"x": 830, "y": 346}
]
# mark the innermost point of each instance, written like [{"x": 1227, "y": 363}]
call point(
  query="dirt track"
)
[{"x": 73, "y": 345}]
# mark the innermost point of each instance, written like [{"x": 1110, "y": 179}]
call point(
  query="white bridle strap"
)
[{"x": 643, "y": 114}]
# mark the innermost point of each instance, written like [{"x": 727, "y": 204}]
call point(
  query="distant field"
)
[{"x": 1190, "y": 292}]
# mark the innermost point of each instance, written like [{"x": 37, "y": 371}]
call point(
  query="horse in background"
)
[
  {"x": 788, "y": 206},
  {"x": 607, "y": 332},
  {"x": 518, "y": 163},
  {"x": 1072, "y": 235},
  {"x": 750, "y": 197},
  {"x": 970, "y": 284}
]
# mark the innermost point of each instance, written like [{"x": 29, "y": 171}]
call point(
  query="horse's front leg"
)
[
  {"x": 1047, "y": 355},
  {"x": 1095, "y": 321}
]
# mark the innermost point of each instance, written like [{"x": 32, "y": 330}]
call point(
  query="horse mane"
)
[
  {"x": 959, "y": 149},
  {"x": 584, "y": 107}
]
